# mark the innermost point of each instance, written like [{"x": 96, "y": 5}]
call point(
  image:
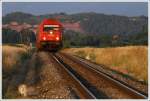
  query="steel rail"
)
[
  {"x": 89, "y": 94},
  {"x": 115, "y": 81}
]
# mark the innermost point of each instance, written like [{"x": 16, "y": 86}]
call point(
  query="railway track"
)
[
  {"x": 91, "y": 90},
  {"x": 87, "y": 94}
]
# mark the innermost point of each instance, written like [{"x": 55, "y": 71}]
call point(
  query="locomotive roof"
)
[{"x": 51, "y": 22}]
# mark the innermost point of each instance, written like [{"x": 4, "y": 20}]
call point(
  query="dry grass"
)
[
  {"x": 131, "y": 60},
  {"x": 10, "y": 56},
  {"x": 12, "y": 59}
]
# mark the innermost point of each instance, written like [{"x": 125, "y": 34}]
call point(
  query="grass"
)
[
  {"x": 12, "y": 57},
  {"x": 130, "y": 60}
]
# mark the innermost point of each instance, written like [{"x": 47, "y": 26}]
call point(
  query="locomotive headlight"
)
[
  {"x": 57, "y": 38},
  {"x": 51, "y": 32},
  {"x": 44, "y": 38}
]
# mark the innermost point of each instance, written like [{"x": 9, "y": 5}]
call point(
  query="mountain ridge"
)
[{"x": 89, "y": 22}]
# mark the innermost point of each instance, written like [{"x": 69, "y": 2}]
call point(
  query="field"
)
[
  {"x": 12, "y": 59},
  {"x": 130, "y": 60},
  {"x": 11, "y": 55}
]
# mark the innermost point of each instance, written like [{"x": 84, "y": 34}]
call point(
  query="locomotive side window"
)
[{"x": 50, "y": 27}]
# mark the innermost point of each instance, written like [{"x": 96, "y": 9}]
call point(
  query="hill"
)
[
  {"x": 91, "y": 23},
  {"x": 82, "y": 29}
]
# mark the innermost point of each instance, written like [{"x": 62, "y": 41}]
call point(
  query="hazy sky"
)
[{"x": 128, "y": 9}]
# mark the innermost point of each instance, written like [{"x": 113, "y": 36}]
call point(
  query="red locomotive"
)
[{"x": 49, "y": 35}]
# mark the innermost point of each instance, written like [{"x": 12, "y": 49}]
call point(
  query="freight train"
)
[{"x": 49, "y": 35}]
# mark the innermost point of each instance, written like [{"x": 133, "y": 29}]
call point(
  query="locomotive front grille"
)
[{"x": 50, "y": 43}]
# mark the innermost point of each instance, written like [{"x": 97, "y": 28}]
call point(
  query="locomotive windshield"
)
[{"x": 50, "y": 27}]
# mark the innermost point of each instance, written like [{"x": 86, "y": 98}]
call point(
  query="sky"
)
[{"x": 39, "y": 8}]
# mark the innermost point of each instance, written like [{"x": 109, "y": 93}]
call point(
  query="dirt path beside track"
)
[{"x": 41, "y": 78}]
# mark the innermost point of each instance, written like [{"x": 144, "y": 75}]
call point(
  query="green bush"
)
[
  {"x": 81, "y": 54},
  {"x": 92, "y": 57}
]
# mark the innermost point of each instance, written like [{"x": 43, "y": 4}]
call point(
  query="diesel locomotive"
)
[{"x": 49, "y": 35}]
